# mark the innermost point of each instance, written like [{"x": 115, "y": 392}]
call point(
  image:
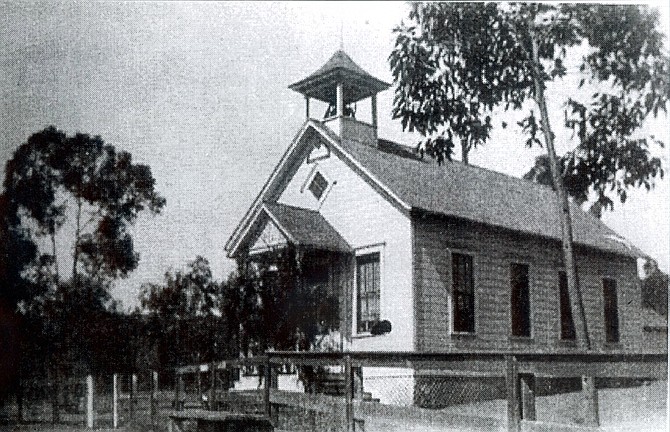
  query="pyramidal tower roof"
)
[{"x": 358, "y": 84}]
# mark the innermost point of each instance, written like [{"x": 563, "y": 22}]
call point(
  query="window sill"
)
[
  {"x": 463, "y": 335},
  {"x": 363, "y": 335},
  {"x": 522, "y": 339},
  {"x": 613, "y": 345},
  {"x": 572, "y": 343}
]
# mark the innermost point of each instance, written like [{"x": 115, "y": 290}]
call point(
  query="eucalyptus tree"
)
[
  {"x": 71, "y": 198},
  {"x": 455, "y": 64}
]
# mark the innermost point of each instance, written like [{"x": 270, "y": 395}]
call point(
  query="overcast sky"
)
[{"x": 198, "y": 91}]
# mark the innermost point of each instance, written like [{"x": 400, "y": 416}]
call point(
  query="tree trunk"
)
[
  {"x": 574, "y": 290},
  {"x": 465, "y": 149},
  {"x": 77, "y": 235}
]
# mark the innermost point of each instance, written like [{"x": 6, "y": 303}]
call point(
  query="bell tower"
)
[{"x": 341, "y": 83}]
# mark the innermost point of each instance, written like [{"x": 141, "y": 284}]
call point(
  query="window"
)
[
  {"x": 567, "y": 323},
  {"x": 520, "y": 301},
  {"x": 611, "y": 310},
  {"x": 367, "y": 291},
  {"x": 463, "y": 293},
  {"x": 318, "y": 185}
]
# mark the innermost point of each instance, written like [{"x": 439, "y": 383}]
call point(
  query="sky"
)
[{"x": 198, "y": 91}]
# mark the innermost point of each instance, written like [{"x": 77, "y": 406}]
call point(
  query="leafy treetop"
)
[
  {"x": 53, "y": 177},
  {"x": 455, "y": 63}
]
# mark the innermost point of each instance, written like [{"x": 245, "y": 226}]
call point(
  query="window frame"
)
[
  {"x": 323, "y": 188},
  {"x": 451, "y": 295},
  {"x": 610, "y": 338},
  {"x": 362, "y": 252},
  {"x": 512, "y": 314},
  {"x": 317, "y": 169}
]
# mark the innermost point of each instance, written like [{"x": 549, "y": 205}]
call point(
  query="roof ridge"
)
[
  {"x": 517, "y": 180},
  {"x": 464, "y": 165}
]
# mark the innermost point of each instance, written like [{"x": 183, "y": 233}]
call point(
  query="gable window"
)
[
  {"x": 463, "y": 293},
  {"x": 318, "y": 185},
  {"x": 520, "y": 300},
  {"x": 611, "y": 310},
  {"x": 567, "y": 323},
  {"x": 367, "y": 291}
]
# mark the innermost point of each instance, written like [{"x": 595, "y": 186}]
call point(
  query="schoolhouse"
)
[{"x": 426, "y": 257}]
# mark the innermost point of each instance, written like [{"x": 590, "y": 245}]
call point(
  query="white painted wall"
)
[
  {"x": 392, "y": 386},
  {"x": 365, "y": 219}
]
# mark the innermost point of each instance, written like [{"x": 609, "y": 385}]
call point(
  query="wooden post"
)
[
  {"x": 358, "y": 382},
  {"x": 268, "y": 379},
  {"x": 340, "y": 99},
  {"x": 115, "y": 401},
  {"x": 199, "y": 382},
  {"x": 590, "y": 401},
  {"x": 374, "y": 111},
  {"x": 55, "y": 392},
  {"x": 512, "y": 385},
  {"x": 177, "y": 391},
  {"x": 212, "y": 387},
  {"x": 153, "y": 397},
  {"x": 19, "y": 402},
  {"x": 527, "y": 384},
  {"x": 131, "y": 399},
  {"x": 89, "y": 401},
  {"x": 349, "y": 393}
]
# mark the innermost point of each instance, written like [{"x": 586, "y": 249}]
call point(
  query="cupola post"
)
[
  {"x": 373, "y": 109},
  {"x": 341, "y": 83},
  {"x": 340, "y": 99}
]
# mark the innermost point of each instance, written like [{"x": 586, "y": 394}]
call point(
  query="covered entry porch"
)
[{"x": 303, "y": 272}]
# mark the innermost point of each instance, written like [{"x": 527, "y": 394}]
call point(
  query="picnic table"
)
[{"x": 219, "y": 421}]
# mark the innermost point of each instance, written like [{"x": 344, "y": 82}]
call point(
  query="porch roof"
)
[{"x": 306, "y": 228}]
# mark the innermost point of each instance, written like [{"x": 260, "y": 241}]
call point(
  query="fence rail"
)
[
  {"x": 341, "y": 400},
  {"x": 369, "y": 391}
]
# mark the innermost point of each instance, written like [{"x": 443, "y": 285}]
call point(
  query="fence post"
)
[
  {"x": 115, "y": 401},
  {"x": 512, "y": 385},
  {"x": 212, "y": 387},
  {"x": 89, "y": 401},
  {"x": 133, "y": 390},
  {"x": 527, "y": 384},
  {"x": 19, "y": 401},
  {"x": 590, "y": 398},
  {"x": 349, "y": 393},
  {"x": 177, "y": 389},
  {"x": 268, "y": 383},
  {"x": 153, "y": 394}
]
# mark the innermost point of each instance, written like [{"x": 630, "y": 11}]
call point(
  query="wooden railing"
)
[{"x": 518, "y": 369}]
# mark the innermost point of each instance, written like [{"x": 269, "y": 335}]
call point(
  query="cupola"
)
[{"x": 341, "y": 83}]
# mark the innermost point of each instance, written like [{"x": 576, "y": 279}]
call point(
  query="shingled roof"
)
[
  {"x": 477, "y": 194},
  {"x": 307, "y": 228},
  {"x": 358, "y": 84}
]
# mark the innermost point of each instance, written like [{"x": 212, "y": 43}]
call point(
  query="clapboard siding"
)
[
  {"x": 493, "y": 251},
  {"x": 365, "y": 219}
]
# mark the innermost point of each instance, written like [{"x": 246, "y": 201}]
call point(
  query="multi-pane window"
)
[
  {"x": 567, "y": 323},
  {"x": 611, "y": 310},
  {"x": 367, "y": 291},
  {"x": 318, "y": 185},
  {"x": 520, "y": 300},
  {"x": 463, "y": 293}
]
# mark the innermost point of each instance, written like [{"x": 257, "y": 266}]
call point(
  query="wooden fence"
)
[{"x": 518, "y": 371}]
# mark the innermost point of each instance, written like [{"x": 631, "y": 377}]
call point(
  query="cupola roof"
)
[{"x": 322, "y": 84}]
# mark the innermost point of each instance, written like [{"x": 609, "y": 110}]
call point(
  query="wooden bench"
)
[{"x": 219, "y": 421}]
